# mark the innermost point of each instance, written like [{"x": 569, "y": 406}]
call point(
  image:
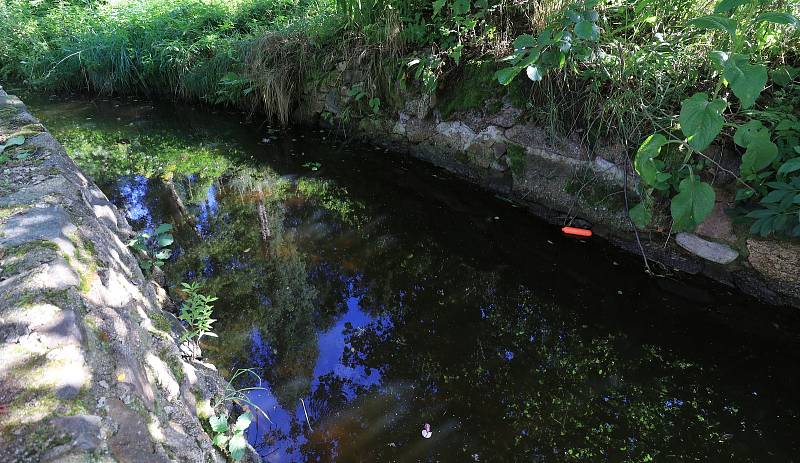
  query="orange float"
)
[{"x": 576, "y": 231}]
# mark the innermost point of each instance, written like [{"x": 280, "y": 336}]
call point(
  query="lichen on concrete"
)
[{"x": 82, "y": 378}]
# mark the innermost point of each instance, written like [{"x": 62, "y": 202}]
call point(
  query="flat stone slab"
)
[{"x": 708, "y": 250}]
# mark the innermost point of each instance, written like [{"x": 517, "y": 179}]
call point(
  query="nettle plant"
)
[
  {"x": 153, "y": 248},
  {"x": 769, "y": 138},
  {"x": 571, "y": 39},
  {"x": 196, "y": 311}
]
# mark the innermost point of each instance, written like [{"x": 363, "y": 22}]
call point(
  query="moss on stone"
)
[
  {"x": 516, "y": 158},
  {"x": 25, "y": 248},
  {"x": 160, "y": 322},
  {"x": 471, "y": 87}
]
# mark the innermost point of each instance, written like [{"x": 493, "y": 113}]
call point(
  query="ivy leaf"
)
[
  {"x": 715, "y": 21},
  {"x": 640, "y": 215},
  {"x": 506, "y": 75},
  {"x": 534, "y": 73},
  {"x": 243, "y": 422},
  {"x": 237, "y": 446},
  {"x": 701, "y": 120},
  {"x": 728, "y": 5},
  {"x": 759, "y": 154},
  {"x": 776, "y": 17},
  {"x": 643, "y": 162},
  {"x": 746, "y": 80},
  {"x": 219, "y": 423},
  {"x": 790, "y": 166},
  {"x": 692, "y": 204}
]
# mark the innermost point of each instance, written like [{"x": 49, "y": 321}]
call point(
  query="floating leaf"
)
[
  {"x": 746, "y": 80},
  {"x": 701, "y": 120},
  {"x": 692, "y": 204}
]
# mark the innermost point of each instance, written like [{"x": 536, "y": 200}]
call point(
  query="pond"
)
[{"x": 374, "y": 293}]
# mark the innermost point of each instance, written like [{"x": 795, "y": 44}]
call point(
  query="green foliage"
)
[
  {"x": 702, "y": 119},
  {"x": 230, "y": 438},
  {"x": 573, "y": 38},
  {"x": 196, "y": 311},
  {"x": 154, "y": 249}
]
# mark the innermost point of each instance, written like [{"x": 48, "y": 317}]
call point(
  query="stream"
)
[{"x": 373, "y": 293}]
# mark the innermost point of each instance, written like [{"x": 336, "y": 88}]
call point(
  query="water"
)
[{"x": 375, "y": 293}]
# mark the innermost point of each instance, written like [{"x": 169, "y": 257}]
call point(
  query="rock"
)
[
  {"x": 131, "y": 443},
  {"x": 84, "y": 429},
  {"x": 500, "y": 149},
  {"x": 718, "y": 224},
  {"x": 778, "y": 261},
  {"x": 714, "y": 252}
]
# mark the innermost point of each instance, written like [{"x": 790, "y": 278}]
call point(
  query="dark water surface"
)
[{"x": 382, "y": 293}]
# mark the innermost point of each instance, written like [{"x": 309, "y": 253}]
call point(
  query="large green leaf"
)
[
  {"x": 728, "y": 5},
  {"x": 163, "y": 228},
  {"x": 506, "y": 75},
  {"x": 534, "y": 73},
  {"x": 586, "y": 30},
  {"x": 236, "y": 446},
  {"x": 759, "y": 154},
  {"x": 643, "y": 162},
  {"x": 219, "y": 423},
  {"x": 640, "y": 215},
  {"x": 790, "y": 166},
  {"x": 692, "y": 204},
  {"x": 746, "y": 80},
  {"x": 715, "y": 21},
  {"x": 777, "y": 17},
  {"x": 701, "y": 120},
  {"x": 748, "y": 132},
  {"x": 243, "y": 422},
  {"x": 524, "y": 41}
]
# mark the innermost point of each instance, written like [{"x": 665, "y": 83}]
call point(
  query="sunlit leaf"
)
[{"x": 746, "y": 80}]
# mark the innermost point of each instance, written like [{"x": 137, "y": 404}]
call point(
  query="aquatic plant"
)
[
  {"x": 153, "y": 249},
  {"x": 196, "y": 311}
]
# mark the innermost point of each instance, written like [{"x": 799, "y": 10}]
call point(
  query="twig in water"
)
[{"x": 306, "y": 413}]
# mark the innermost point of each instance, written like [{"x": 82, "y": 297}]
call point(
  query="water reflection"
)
[{"x": 376, "y": 294}]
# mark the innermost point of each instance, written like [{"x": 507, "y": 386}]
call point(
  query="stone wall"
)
[
  {"x": 91, "y": 369},
  {"x": 562, "y": 181}
]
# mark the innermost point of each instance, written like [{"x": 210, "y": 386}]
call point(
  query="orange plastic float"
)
[{"x": 576, "y": 231}]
